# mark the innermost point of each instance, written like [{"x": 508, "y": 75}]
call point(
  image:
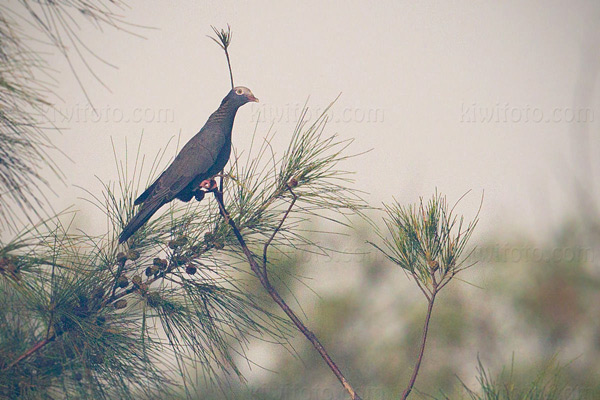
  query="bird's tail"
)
[{"x": 138, "y": 220}]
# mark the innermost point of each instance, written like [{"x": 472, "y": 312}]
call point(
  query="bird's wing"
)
[
  {"x": 142, "y": 197},
  {"x": 193, "y": 163}
]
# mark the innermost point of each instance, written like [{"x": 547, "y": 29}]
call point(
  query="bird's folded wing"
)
[
  {"x": 193, "y": 163},
  {"x": 142, "y": 197}
]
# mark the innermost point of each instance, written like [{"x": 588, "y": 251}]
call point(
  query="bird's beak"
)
[{"x": 252, "y": 98}]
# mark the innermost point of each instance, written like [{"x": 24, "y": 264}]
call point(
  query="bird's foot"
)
[
  {"x": 206, "y": 186},
  {"x": 209, "y": 185}
]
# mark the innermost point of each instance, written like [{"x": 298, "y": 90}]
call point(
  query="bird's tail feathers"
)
[{"x": 145, "y": 213}]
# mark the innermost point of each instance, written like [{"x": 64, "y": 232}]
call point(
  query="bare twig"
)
[
  {"x": 413, "y": 378},
  {"x": 423, "y": 289},
  {"x": 229, "y": 65},
  {"x": 264, "y": 280}
]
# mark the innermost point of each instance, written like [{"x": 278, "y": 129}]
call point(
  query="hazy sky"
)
[{"x": 491, "y": 96}]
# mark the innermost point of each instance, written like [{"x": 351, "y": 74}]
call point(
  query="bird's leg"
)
[{"x": 221, "y": 182}]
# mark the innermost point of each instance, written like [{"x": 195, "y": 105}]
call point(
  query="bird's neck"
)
[{"x": 224, "y": 115}]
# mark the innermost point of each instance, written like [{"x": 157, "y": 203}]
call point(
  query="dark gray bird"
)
[{"x": 204, "y": 156}]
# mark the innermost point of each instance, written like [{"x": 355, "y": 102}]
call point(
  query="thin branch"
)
[
  {"x": 268, "y": 243},
  {"x": 29, "y": 352},
  {"x": 264, "y": 280},
  {"x": 229, "y": 65},
  {"x": 413, "y": 378},
  {"x": 425, "y": 290},
  {"x": 444, "y": 283}
]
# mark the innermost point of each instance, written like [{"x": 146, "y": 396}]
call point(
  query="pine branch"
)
[
  {"x": 427, "y": 242},
  {"x": 28, "y": 91},
  {"x": 264, "y": 280},
  {"x": 171, "y": 297},
  {"x": 38, "y": 346}
]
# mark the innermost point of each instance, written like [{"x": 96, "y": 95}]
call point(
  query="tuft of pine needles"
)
[
  {"x": 60, "y": 337},
  {"x": 549, "y": 384},
  {"x": 427, "y": 241},
  {"x": 223, "y": 39},
  {"x": 23, "y": 141},
  {"x": 27, "y": 91}
]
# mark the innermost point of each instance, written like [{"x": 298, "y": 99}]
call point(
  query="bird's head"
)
[{"x": 241, "y": 95}]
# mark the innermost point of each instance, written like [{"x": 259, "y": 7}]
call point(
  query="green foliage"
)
[
  {"x": 223, "y": 37},
  {"x": 26, "y": 94},
  {"x": 58, "y": 300},
  {"x": 427, "y": 241},
  {"x": 23, "y": 143},
  {"x": 171, "y": 302},
  {"x": 86, "y": 318},
  {"x": 548, "y": 385}
]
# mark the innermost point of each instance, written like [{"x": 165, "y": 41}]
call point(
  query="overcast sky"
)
[{"x": 491, "y": 96}]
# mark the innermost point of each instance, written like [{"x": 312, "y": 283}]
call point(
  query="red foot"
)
[{"x": 209, "y": 185}]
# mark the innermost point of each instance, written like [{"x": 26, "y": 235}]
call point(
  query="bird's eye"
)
[{"x": 239, "y": 91}]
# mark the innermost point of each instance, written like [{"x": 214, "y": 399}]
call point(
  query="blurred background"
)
[{"x": 496, "y": 98}]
